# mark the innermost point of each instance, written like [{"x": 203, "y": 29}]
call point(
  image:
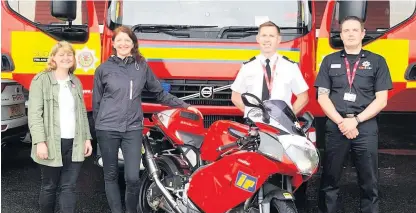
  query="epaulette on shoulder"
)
[
  {"x": 251, "y": 59},
  {"x": 288, "y": 59}
]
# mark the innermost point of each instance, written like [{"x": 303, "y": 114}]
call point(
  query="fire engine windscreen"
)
[{"x": 286, "y": 14}]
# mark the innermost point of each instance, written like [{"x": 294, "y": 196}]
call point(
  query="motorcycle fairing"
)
[
  {"x": 246, "y": 182},
  {"x": 211, "y": 186}
]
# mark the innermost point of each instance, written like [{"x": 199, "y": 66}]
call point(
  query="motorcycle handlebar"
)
[
  {"x": 230, "y": 145},
  {"x": 240, "y": 141}
]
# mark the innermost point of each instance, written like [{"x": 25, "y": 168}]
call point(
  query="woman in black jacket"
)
[{"x": 118, "y": 116}]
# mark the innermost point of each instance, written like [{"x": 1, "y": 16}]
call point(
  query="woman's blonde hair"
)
[{"x": 67, "y": 47}]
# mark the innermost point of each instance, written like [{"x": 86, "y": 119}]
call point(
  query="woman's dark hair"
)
[{"x": 135, "y": 50}]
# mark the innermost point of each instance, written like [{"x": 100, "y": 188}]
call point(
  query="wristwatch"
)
[{"x": 357, "y": 119}]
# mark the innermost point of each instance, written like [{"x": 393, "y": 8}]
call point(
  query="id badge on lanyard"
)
[
  {"x": 269, "y": 81},
  {"x": 349, "y": 96}
]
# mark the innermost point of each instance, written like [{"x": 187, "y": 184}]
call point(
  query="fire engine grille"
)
[{"x": 207, "y": 90}]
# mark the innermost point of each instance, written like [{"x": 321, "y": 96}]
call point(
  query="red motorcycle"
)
[{"x": 230, "y": 167}]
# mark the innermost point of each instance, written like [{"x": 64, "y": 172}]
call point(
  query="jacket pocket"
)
[
  {"x": 338, "y": 78},
  {"x": 110, "y": 113}
]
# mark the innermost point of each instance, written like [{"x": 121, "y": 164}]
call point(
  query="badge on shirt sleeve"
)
[{"x": 350, "y": 97}]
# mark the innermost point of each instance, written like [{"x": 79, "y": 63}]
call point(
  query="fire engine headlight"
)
[{"x": 305, "y": 158}]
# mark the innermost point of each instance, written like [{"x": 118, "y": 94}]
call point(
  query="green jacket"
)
[{"x": 44, "y": 121}]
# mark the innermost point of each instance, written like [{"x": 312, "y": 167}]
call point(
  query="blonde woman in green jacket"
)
[{"x": 59, "y": 127}]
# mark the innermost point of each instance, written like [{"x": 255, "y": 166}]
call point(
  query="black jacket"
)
[{"x": 118, "y": 86}]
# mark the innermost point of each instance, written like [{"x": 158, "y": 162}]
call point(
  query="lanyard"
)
[
  {"x": 269, "y": 81},
  {"x": 349, "y": 75}
]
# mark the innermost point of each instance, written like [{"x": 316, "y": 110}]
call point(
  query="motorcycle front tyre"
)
[{"x": 282, "y": 206}]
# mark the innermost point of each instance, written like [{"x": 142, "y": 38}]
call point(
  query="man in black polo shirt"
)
[{"x": 352, "y": 89}]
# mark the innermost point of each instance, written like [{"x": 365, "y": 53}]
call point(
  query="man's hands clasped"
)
[{"x": 348, "y": 127}]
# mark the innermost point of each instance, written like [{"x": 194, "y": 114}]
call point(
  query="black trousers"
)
[
  {"x": 365, "y": 158},
  {"x": 65, "y": 176},
  {"x": 131, "y": 144}
]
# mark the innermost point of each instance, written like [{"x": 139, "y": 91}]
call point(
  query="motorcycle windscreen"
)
[{"x": 281, "y": 117}]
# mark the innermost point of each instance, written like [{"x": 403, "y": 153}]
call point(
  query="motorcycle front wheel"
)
[{"x": 282, "y": 206}]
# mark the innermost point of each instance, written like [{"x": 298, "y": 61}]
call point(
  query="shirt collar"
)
[
  {"x": 273, "y": 58},
  {"x": 362, "y": 54},
  {"x": 54, "y": 81}
]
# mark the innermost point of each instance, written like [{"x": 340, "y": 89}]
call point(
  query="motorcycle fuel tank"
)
[{"x": 219, "y": 134}]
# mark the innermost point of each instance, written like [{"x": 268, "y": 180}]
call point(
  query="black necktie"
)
[{"x": 266, "y": 95}]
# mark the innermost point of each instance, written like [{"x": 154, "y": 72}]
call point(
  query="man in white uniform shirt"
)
[
  {"x": 286, "y": 80},
  {"x": 270, "y": 75}
]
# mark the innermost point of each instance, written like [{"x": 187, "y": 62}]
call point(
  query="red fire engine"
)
[{"x": 196, "y": 48}]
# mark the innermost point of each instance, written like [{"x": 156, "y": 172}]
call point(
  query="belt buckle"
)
[{"x": 349, "y": 115}]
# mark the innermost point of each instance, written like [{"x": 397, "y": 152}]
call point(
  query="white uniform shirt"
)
[
  {"x": 288, "y": 79},
  {"x": 66, "y": 110}
]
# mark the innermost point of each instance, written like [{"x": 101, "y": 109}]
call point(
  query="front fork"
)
[
  {"x": 264, "y": 207},
  {"x": 271, "y": 192}
]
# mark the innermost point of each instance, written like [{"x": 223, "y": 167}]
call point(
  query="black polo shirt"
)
[{"x": 372, "y": 76}]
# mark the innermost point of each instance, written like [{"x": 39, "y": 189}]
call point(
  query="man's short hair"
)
[
  {"x": 352, "y": 18},
  {"x": 270, "y": 24}
]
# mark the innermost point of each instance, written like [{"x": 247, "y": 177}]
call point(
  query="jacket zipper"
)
[{"x": 131, "y": 89}]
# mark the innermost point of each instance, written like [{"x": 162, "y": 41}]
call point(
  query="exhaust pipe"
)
[{"x": 154, "y": 173}]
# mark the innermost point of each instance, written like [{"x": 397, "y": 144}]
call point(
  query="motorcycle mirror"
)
[
  {"x": 250, "y": 100},
  {"x": 307, "y": 118}
]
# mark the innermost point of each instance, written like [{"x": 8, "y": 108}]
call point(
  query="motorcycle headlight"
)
[{"x": 305, "y": 158}]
